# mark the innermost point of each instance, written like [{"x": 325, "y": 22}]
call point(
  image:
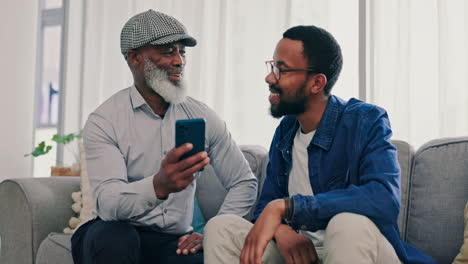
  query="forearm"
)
[
  {"x": 240, "y": 198},
  {"x": 235, "y": 175},
  {"x": 372, "y": 200},
  {"x": 117, "y": 200}
]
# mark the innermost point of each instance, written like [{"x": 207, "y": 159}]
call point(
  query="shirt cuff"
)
[{"x": 144, "y": 188}]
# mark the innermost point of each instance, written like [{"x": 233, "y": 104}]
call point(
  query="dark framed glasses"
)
[{"x": 272, "y": 68}]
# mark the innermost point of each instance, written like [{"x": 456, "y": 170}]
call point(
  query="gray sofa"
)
[{"x": 434, "y": 188}]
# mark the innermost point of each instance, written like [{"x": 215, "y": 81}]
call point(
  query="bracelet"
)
[{"x": 289, "y": 210}]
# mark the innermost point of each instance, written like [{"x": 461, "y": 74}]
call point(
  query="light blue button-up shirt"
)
[{"x": 125, "y": 143}]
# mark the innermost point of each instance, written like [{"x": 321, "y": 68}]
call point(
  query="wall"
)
[{"x": 18, "y": 27}]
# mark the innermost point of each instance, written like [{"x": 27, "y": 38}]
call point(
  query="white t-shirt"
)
[{"x": 299, "y": 182}]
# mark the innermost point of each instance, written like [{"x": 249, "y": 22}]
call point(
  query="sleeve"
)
[
  {"x": 270, "y": 189},
  {"x": 377, "y": 195},
  {"x": 116, "y": 198},
  {"x": 231, "y": 167}
]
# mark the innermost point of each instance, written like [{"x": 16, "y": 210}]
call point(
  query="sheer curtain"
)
[
  {"x": 226, "y": 69},
  {"x": 419, "y": 66}
]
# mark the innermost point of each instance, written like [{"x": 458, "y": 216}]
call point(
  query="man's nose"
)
[
  {"x": 270, "y": 78},
  {"x": 178, "y": 59}
]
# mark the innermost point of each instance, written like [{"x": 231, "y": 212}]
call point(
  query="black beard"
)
[{"x": 293, "y": 107}]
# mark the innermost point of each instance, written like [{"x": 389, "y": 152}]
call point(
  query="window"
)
[{"x": 49, "y": 81}]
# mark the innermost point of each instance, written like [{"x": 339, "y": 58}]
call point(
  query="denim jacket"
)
[{"x": 353, "y": 168}]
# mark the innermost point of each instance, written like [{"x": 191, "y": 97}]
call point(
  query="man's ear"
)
[
  {"x": 133, "y": 57},
  {"x": 316, "y": 83}
]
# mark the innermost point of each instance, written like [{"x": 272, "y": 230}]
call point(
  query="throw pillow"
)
[
  {"x": 462, "y": 257},
  {"x": 83, "y": 200}
]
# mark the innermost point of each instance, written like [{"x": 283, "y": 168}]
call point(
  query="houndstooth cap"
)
[{"x": 153, "y": 28}]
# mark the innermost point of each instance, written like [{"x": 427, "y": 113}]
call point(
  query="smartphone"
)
[{"x": 190, "y": 131}]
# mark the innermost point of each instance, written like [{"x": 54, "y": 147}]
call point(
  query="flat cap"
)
[{"x": 153, "y": 28}]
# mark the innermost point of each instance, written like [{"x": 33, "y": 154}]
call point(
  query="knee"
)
[
  {"x": 350, "y": 225},
  {"x": 219, "y": 224}
]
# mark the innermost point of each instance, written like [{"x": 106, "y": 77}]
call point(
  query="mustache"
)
[
  {"x": 275, "y": 89},
  {"x": 177, "y": 69}
]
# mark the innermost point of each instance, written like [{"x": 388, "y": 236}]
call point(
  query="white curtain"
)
[
  {"x": 419, "y": 66},
  {"x": 226, "y": 69}
]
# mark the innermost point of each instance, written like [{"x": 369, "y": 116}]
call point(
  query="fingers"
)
[
  {"x": 192, "y": 161},
  {"x": 312, "y": 253},
  {"x": 245, "y": 254},
  {"x": 174, "y": 154},
  {"x": 258, "y": 252},
  {"x": 189, "y": 244},
  {"x": 194, "y": 168},
  {"x": 252, "y": 252},
  {"x": 182, "y": 239},
  {"x": 196, "y": 248},
  {"x": 302, "y": 257},
  {"x": 182, "y": 171}
]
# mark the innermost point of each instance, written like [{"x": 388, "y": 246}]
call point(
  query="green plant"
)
[{"x": 42, "y": 148}]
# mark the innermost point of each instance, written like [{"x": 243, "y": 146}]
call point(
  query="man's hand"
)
[
  {"x": 191, "y": 243},
  {"x": 175, "y": 175},
  {"x": 262, "y": 232},
  {"x": 295, "y": 248}
]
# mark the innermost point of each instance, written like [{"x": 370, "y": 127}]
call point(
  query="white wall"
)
[{"x": 18, "y": 27}]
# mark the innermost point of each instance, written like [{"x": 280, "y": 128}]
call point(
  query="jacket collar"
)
[
  {"x": 326, "y": 130},
  {"x": 324, "y": 135}
]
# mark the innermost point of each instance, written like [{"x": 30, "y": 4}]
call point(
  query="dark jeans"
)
[{"x": 99, "y": 241}]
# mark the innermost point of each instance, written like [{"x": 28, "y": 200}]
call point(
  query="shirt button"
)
[
  {"x": 150, "y": 204},
  {"x": 165, "y": 211},
  {"x": 303, "y": 227},
  {"x": 165, "y": 152}
]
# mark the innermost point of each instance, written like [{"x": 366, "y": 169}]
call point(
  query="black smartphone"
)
[{"x": 190, "y": 131}]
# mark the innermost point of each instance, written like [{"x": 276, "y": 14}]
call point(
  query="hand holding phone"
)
[
  {"x": 180, "y": 164},
  {"x": 175, "y": 174}
]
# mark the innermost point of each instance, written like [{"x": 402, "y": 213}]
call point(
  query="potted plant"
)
[{"x": 42, "y": 149}]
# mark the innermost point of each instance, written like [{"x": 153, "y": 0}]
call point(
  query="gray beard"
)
[{"x": 156, "y": 78}]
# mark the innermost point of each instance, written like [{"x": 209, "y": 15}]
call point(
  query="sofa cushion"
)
[
  {"x": 55, "y": 249},
  {"x": 210, "y": 192},
  {"x": 405, "y": 154},
  {"x": 438, "y": 193}
]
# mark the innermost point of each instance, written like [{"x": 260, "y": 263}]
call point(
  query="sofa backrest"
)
[
  {"x": 210, "y": 193},
  {"x": 437, "y": 196},
  {"x": 405, "y": 154},
  {"x": 31, "y": 208}
]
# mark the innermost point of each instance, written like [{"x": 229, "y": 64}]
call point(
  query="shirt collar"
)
[{"x": 136, "y": 98}]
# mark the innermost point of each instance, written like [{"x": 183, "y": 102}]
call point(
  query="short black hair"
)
[{"x": 321, "y": 50}]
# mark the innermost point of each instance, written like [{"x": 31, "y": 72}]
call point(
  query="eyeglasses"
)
[{"x": 271, "y": 67}]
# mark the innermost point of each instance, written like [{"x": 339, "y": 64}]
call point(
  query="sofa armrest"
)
[{"x": 30, "y": 209}]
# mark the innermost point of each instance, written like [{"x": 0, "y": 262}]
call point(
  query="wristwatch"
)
[{"x": 289, "y": 210}]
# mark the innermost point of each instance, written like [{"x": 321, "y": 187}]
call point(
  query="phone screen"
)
[{"x": 191, "y": 131}]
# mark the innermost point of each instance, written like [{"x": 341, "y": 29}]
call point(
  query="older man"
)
[{"x": 144, "y": 193}]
